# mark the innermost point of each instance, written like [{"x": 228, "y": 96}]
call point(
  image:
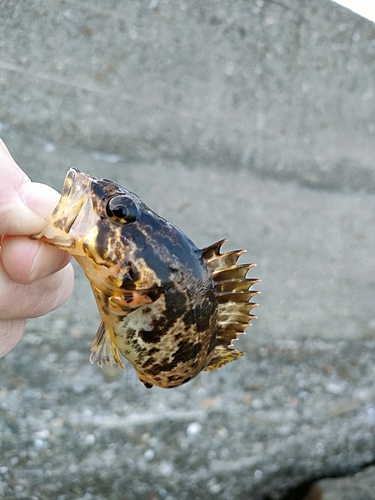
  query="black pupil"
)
[{"x": 122, "y": 208}]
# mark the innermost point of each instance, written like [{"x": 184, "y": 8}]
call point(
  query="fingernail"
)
[{"x": 39, "y": 198}]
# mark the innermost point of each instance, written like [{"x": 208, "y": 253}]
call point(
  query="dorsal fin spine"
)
[{"x": 232, "y": 290}]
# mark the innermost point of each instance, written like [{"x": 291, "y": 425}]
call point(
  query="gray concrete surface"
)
[
  {"x": 281, "y": 87},
  {"x": 300, "y": 405},
  {"x": 251, "y": 120}
]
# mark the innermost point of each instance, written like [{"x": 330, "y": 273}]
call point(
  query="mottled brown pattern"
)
[{"x": 170, "y": 308}]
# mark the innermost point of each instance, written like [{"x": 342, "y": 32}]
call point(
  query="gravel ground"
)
[{"x": 289, "y": 412}]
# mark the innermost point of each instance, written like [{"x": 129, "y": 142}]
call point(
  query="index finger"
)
[{"x": 24, "y": 205}]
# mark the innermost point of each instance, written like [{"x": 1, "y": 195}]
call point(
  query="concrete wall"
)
[{"x": 283, "y": 87}]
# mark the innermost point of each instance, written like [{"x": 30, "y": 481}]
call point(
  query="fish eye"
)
[{"x": 122, "y": 209}]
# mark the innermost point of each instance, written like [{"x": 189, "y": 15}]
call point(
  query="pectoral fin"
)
[
  {"x": 103, "y": 350},
  {"x": 127, "y": 303}
]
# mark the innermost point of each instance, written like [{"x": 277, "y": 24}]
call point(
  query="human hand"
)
[{"x": 35, "y": 278}]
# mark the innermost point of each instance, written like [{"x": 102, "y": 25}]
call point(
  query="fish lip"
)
[
  {"x": 75, "y": 198},
  {"x": 67, "y": 190},
  {"x": 75, "y": 192},
  {"x": 69, "y": 180}
]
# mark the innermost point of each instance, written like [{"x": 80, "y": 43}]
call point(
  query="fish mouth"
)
[{"x": 74, "y": 213}]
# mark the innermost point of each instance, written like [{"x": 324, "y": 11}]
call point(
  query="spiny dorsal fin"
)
[{"x": 232, "y": 289}]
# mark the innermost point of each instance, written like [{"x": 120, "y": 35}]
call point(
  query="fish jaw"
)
[{"x": 73, "y": 215}]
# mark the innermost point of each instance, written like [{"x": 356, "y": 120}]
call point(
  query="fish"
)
[{"x": 168, "y": 307}]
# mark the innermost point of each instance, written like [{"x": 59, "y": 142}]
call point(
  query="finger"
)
[
  {"x": 27, "y": 211},
  {"x": 12, "y": 177},
  {"x": 10, "y": 334},
  {"x": 19, "y": 301},
  {"x": 28, "y": 260},
  {"x": 24, "y": 206}
]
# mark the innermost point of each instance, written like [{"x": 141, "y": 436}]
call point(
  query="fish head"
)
[{"x": 105, "y": 227}]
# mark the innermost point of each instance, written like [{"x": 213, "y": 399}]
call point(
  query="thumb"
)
[{"x": 24, "y": 205}]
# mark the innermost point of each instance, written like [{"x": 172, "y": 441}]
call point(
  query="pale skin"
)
[{"x": 35, "y": 278}]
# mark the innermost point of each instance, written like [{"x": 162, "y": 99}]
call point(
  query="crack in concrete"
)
[{"x": 306, "y": 489}]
